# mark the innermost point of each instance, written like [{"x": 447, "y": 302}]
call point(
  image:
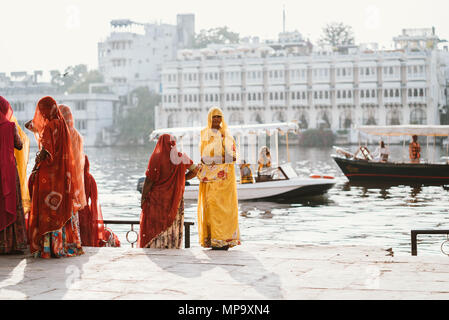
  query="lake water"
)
[{"x": 346, "y": 215}]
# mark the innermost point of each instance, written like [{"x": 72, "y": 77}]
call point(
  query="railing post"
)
[
  {"x": 187, "y": 234},
  {"x": 414, "y": 243}
]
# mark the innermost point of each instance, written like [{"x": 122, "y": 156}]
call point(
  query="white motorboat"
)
[{"x": 286, "y": 185}]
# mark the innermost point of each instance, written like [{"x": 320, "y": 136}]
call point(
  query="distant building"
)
[
  {"x": 133, "y": 53},
  {"x": 334, "y": 88},
  {"x": 94, "y": 114}
]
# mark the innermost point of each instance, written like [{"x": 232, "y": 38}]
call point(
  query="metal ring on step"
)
[{"x": 442, "y": 245}]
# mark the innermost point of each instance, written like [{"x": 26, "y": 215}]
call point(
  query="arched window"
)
[
  {"x": 324, "y": 120},
  {"x": 172, "y": 121},
  {"x": 303, "y": 119},
  {"x": 256, "y": 118},
  {"x": 279, "y": 117},
  {"x": 394, "y": 117},
  {"x": 236, "y": 118},
  {"x": 418, "y": 116}
]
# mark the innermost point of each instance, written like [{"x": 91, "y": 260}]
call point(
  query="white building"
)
[
  {"x": 132, "y": 54},
  {"x": 94, "y": 114},
  {"x": 263, "y": 83}
]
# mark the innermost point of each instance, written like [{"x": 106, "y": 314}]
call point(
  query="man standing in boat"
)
[{"x": 414, "y": 150}]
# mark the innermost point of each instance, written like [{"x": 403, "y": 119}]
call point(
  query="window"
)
[
  {"x": 80, "y": 105},
  {"x": 81, "y": 124}
]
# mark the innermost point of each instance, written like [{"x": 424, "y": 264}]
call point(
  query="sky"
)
[{"x": 53, "y": 34}]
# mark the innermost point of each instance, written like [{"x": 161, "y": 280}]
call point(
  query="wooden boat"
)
[{"x": 365, "y": 169}]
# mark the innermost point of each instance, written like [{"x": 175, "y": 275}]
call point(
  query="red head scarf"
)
[
  {"x": 7, "y": 167},
  {"x": 166, "y": 169},
  {"x": 53, "y": 189},
  {"x": 78, "y": 157}
]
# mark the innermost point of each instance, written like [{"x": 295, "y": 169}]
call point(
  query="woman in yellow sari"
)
[
  {"x": 21, "y": 163},
  {"x": 217, "y": 199}
]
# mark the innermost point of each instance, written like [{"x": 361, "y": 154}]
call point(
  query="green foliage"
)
[
  {"x": 215, "y": 35},
  {"x": 138, "y": 122},
  {"x": 316, "y": 138},
  {"x": 76, "y": 79},
  {"x": 337, "y": 34}
]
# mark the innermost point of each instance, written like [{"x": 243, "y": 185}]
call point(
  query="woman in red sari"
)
[
  {"x": 53, "y": 224},
  {"x": 12, "y": 221},
  {"x": 78, "y": 158},
  {"x": 93, "y": 232},
  {"x": 162, "y": 218}
]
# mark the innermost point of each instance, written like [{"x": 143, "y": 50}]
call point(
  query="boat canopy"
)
[
  {"x": 406, "y": 130},
  {"x": 268, "y": 128}
]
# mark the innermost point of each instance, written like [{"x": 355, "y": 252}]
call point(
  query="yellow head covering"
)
[
  {"x": 216, "y": 111},
  {"x": 22, "y": 162}
]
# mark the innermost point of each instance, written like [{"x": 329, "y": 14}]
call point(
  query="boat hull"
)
[
  {"x": 274, "y": 190},
  {"x": 409, "y": 173}
]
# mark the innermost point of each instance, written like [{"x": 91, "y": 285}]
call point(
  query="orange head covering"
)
[
  {"x": 47, "y": 109},
  {"x": 78, "y": 157}
]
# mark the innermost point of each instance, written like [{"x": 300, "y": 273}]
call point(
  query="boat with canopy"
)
[
  {"x": 283, "y": 181},
  {"x": 361, "y": 166}
]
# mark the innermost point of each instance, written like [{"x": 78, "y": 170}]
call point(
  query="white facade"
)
[
  {"x": 132, "y": 54},
  {"x": 336, "y": 91}
]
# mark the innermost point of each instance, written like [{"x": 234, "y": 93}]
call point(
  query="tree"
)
[
  {"x": 76, "y": 79},
  {"x": 82, "y": 86},
  {"x": 220, "y": 35},
  {"x": 337, "y": 34},
  {"x": 138, "y": 122}
]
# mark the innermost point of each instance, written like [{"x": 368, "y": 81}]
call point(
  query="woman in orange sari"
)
[
  {"x": 92, "y": 230},
  {"x": 12, "y": 221},
  {"x": 53, "y": 220},
  {"x": 162, "y": 218},
  {"x": 78, "y": 159}
]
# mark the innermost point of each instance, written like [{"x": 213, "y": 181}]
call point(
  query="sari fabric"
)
[
  {"x": 217, "y": 198},
  {"x": 8, "y": 196},
  {"x": 52, "y": 189},
  {"x": 22, "y": 162},
  {"x": 92, "y": 230},
  {"x": 166, "y": 168},
  {"x": 78, "y": 159}
]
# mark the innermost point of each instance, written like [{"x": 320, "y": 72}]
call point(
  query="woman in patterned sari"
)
[
  {"x": 162, "y": 218},
  {"x": 53, "y": 220},
  {"x": 217, "y": 200},
  {"x": 12, "y": 221}
]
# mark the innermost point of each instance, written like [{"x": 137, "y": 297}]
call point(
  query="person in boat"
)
[
  {"x": 414, "y": 150},
  {"x": 53, "y": 225},
  {"x": 162, "y": 217},
  {"x": 246, "y": 175},
  {"x": 218, "y": 226},
  {"x": 13, "y": 237},
  {"x": 264, "y": 162},
  {"x": 382, "y": 152},
  {"x": 363, "y": 151}
]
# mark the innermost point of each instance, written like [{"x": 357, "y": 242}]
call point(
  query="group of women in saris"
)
[
  {"x": 52, "y": 213},
  {"x": 161, "y": 220}
]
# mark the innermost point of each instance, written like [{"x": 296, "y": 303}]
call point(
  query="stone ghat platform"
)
[{"x": 249, "y": 271}]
